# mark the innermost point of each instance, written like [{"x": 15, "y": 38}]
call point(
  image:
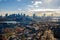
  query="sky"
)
[{"x": 27, "y": 5}]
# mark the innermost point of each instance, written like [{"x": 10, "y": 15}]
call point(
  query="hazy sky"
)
[{"x": 27, "y": 5}]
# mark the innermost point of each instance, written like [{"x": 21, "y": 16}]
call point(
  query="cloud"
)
[
  {"x": 19, "y": 9},
  {"x": 37, "y": 2},
  {"x": 32, "y": 1},
  {"x": 30, "y": 5},
  {"x": 34, "y": 5},
  {"x": 44, "y": 4},
  {"x": 59, "y": 7},
  {"x": 48, "y": 1},
  {"x": 45, "y": 10},
  {"x": 18, "y": 0}
]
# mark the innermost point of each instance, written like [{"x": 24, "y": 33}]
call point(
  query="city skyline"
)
[{"x": 17, "y": 6}]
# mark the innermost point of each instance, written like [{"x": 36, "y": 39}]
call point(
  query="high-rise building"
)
[
  {"x": 6, "y": 14},
  {"x": 34, "y": 15}
]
